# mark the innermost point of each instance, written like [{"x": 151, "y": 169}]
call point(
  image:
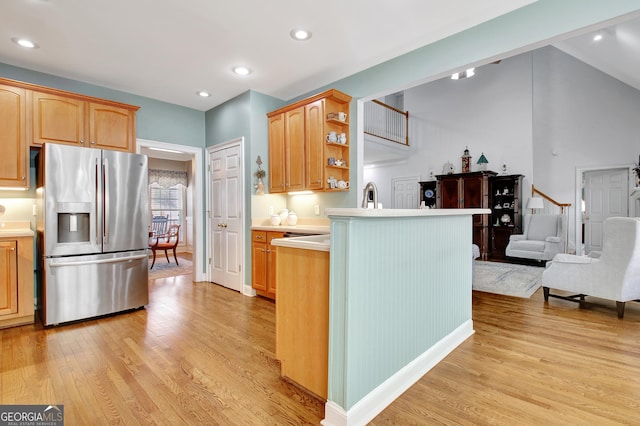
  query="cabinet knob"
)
[
  {"x": 81, "y": 141},
  {"x": 12, "y": 249},
  {"x": 93, "y": 142},
  {"x": 23, "y": 177}
]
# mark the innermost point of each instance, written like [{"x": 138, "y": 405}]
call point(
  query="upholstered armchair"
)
[
  {"x": 615, "y": 275},
  {"x": 543, "y": 237}
]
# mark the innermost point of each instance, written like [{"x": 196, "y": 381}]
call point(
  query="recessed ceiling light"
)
[
  {"x": 203, "y": 94},
  {"x": 241, "y": 70},
  {"x": 469, "y": 72},
  {"x": 597, "y": 37},
  {"x": 25, "y": 42},
  {"x": 300, "y": 34}
]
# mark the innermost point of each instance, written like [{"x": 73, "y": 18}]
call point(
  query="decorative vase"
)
[
  {"x": 259, "y": 187},
  {"x": 292, "y": 219}
]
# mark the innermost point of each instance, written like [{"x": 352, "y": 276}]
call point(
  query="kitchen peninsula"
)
[{"x": 399, "y": 301}]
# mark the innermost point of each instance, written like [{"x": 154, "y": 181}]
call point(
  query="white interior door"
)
[
  {"x": 225, "y": 217},
  {"x": 605, "y": 195},
  {"x": 405, "y": 193}
]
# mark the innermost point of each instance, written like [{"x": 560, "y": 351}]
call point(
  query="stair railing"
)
[
  {"x": 564, "y": 209},
  {"x": 386, "y": 122}
]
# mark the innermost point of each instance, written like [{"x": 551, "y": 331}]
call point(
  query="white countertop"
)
[
  {"x": 18, "y": 228},
  {"x": 307, "y": 229},
  {"x": 355, "y": 212},
  {"x": 312, "y": 242}
]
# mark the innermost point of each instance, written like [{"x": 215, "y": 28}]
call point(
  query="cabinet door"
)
[
  {"x": 259, "y": 266},
  {"x": 473, "y": 194},
  {"x": 277, "y": 173},
  {"x": 449, "y": 198},
  {"x": 14, "y": 161},
  {"x": 271, "y": 270},
  {"x": 314, "y": 145},
  {"x": 57, "y": 119},
  {"x": 294, "y": 135},
  {"x": 111, "y": 127},
  {"x": 8, "y": 278},
  {"x": 272, "y": 252}
]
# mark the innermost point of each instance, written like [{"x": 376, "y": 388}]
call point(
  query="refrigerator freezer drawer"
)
[{"x": 81, "y": 287}]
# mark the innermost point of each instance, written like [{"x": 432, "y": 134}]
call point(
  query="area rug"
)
[
  {"x": 506, "y": 278},
  {"x": 162, "y": 269}
]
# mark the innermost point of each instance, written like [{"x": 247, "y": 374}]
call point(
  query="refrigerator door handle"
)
[
  {"x": 105, "y": 183},
  {"x": 95, "y": 262},
  {"x": 97, "y": 204}
]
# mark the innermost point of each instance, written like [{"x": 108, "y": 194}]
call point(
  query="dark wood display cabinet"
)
[
  {"x": 505, "y": 196},
  {"x": 428, "y": 191},
  {"x": 467, "y": 191}
]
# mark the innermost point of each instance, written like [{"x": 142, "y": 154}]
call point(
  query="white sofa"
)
[
  {"x": 543, "y": 237},
  {"x": 615, "y": 275}
]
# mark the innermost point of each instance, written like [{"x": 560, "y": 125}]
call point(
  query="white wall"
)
[
  {"x": 583, "y": 118},
  {"x": 543, "y": 113},
  {"x": 490, "y": 113}
]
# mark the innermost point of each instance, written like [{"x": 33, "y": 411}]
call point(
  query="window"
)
[{"x": 169, "y": 202}]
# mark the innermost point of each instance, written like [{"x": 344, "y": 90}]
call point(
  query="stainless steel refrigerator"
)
[{"x": 92, "y": 226}]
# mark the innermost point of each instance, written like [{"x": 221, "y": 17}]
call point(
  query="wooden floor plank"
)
[{"x": 202, "y": 354}]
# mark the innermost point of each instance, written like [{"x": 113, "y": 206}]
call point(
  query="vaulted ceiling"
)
[{"x": 170, "y": 49}]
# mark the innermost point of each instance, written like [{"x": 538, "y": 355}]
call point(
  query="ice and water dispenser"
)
[{"x": 74, "y": 222}]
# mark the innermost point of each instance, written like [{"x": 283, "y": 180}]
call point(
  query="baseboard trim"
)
[
  {"x": 247, "y": 290},
  {"x": 383, "y": 395}
]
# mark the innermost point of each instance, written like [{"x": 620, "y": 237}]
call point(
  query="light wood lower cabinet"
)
[
  {"x": 263, "y": 262},
  {"x": 16, "y": 281},
  {"x": 302, "y": 317}
]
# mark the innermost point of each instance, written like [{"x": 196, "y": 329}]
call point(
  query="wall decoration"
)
[{"x": 466, "y": 161}]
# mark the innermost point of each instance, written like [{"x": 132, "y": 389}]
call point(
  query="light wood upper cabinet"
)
[
  {"x": 277, "y": 172},
  {"x": 299, "y": 153},
  {"x": 314, "y": 144},
  {"x": 14, "y": 161},
  {"x": 65, "y": 120},
  {"x": 294, "y": 144},
  {"x": 111, "y": 127},
  {"x": 57, "y": 119},
  {"x": 55, "y": 116}
]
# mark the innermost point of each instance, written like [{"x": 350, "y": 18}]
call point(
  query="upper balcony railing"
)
[{"x": 386, "y": 122}]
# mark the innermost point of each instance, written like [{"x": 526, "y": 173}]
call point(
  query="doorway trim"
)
[
  {"x": 580, "y": 171},
  {"x": 246, "y": 289},
  {"x": 197, "y": 172}
]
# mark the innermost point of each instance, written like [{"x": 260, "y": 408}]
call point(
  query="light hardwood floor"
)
[{"x": 202, "y": 354}]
